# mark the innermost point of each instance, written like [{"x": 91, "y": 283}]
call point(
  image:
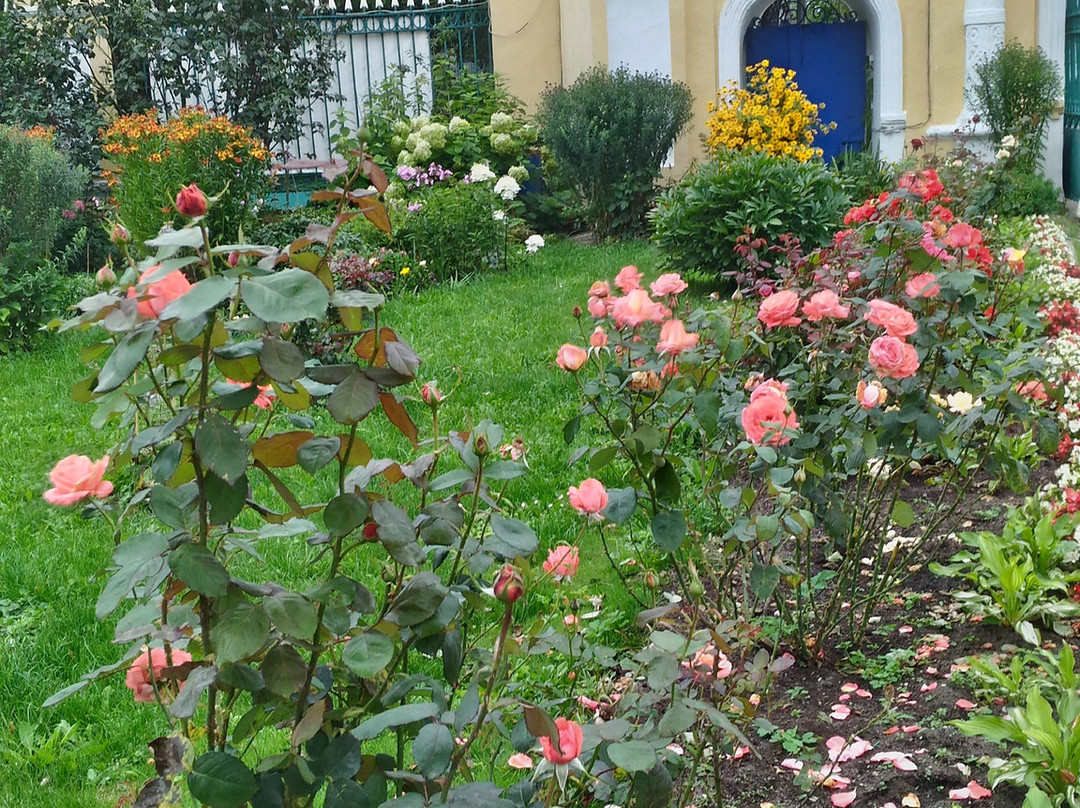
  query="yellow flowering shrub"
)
[
  {"x": 771, "y": 115},
  {"x": 149, "y": 161}
]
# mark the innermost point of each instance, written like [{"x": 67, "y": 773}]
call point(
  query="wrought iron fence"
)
[{"x": 1071, "y": 178}]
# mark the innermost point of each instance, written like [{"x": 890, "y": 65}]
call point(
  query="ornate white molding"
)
[{"x": 885, "y": 49}]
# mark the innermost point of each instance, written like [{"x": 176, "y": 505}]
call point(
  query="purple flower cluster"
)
[{"x": 415, "y": 177}]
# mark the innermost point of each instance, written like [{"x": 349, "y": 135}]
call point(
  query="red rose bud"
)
[
  {"x": 105, "y": 276},
  {"x": 371, "y": 531},
  {"x": 577, "y": 312},
  {"x": 120, "y": 234},
  {"x": 431, "y": 394},
  {"x": 233, "y": 259},
  {"x": 508, "y": 584},
  {"x": 191, "y": 202}
]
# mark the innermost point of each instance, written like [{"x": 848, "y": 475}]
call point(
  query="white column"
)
[
  {"x": 1052, "y": 41},
  {"x": 984, "y": 35}
]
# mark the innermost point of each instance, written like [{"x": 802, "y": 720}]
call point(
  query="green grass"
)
[{"x": 490, "y": 341}]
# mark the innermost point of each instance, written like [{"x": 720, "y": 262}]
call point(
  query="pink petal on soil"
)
[
  {"x": 864, "y": 694},
  {"x": 842, "y": 799},
  {"x": 900, "y": 760},
  {"x": 840, "y": 751},
  {"x": 891, "y": 731},
  {"x": 905, "y": 629},
  {"x": 910, "y": 728},
  {"x": 964, "y": 704},
  {"x": 791, "y": 763},
  {"x": 849, "y": 687},
  {"x": 840, "y": 712},
  {"x": 928, "y": 687}
]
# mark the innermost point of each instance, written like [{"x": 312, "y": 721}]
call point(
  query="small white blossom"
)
[
  {"x": 534, "y": 243},
  {"x": 1004, "y": 154}
]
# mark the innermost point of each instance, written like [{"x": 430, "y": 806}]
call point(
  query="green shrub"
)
[
  {"x": 1014, "y": 93},
  {"x": 32, "y": 292},
  {"x": 453, "y": 230},
  {"x": 37, "y": 184},
  {"x": 1016, "y": 193},
  {"x": 863, "y": 174},
  {"x": 697, "y": 223},
  {"x": 610, "y": 133}
]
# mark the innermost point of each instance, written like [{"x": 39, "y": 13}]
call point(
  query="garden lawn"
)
[{"x": 490, "y": 343}]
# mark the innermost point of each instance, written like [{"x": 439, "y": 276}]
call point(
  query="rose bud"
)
[
  {"x": 508, "y": 584},
  {"x": 120, "y": 234},
  {"x": 577, "y": 312},
  {"x": 105, "y": 277},
  {"x": 431, "y": 394},
  {"x": 233, "y": 259},
  {"x": 191, "y": 202}
]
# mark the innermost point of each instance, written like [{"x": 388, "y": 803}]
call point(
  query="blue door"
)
[{"x": 829, "y": 60}]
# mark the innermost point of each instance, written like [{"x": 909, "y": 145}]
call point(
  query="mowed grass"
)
[{"x": 491, "y": 341}]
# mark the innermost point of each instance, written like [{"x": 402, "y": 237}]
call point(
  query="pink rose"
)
[
  {"x": 77, "y": 477},
  {"x": 824, "y": 304},
  {"x": 870, "y": 395},
  {"x": 508, "y": 586},
  {"x": 1035, "y": 390},
  {"x": 709, "y": 662},
  {"x": 571, "y": 740},
  {"x": 636, "y": 308},
  {"x": 598, "y": 338},
  {"x": 571, "y": 357},
  {"x": 765, "y": 419},
  {"x": 924, "y": 284},
  {"x": 892, "y": 358},
  {"x": 674, "y": 338},
  {"x": 628, "y": 279},
  {"x": 600, "y": 289},
  {"x": 588, "y": 498},
  {"x": 138, "y": 675},
  {"x": 191, "y": 202},
  {"x": 896, "y": 321},
  {"x": 962, "y": 235},
  {"x": 265, "y": 397},
  {"x": 779, "y": 309},
  {"x": 562, "y": 561},
  {"x": 769, "y": 387},
  {"x": 670, "y": 283},
  {"x": 160, "y": 293},
  {"x": 597, "y": 307}
]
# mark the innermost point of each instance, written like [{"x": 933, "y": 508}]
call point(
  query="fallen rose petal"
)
[
  {"x": 840, "y": 751},
  {"x": 928, "y": 687},
  {"x": 840, "y": 712},
  {"x": 849, "y": 687},
  {"x": 977, "y": 792},
  {"x": 931, "y": 670},
  {"x": 911, "y": 801},
  {"x": 959, "y": 793},
  {"x": 905, "y": 629},
  {"x": 964, "y": 704},
  {"x": 864, "y": 694},
  {"x": 891, "y": 731},
  {"x": 845, "y": 696},
  {"x": 739, "y": 753},
  {"x": 842, "y": 799},
  {"x": 900, "y": 760},
  {"x": 909, "y": 728},
  {"x": 791, "y": 763}
]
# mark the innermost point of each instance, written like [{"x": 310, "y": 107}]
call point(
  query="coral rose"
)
[
  {"x": 600, "y": 289},
  {"x": 670, "y": 283},
  {"x": 77, "y": 477},
  {"x": 1035, "y": 390},
  {"x": 766, "y": 418},
  {"x": 892, "y": 358},
  {"x": 562, "y": 561},
  {"x": 160, "y": 293},
  {"x": 598, "y": 338},
  {"x": 138, "y": 676},
  {"x": 709, "y": 662},
  {"x": 636, "y": 308},
  {"x": 571, "y": 357},
  {"x": 870, "y": 395},
  {"x": 674, "y": 338},
  {"x": 896, "y": 321},
  {"x": 589, "y": 498},
  {"x": 824, "y": 304},
  {"x": 962, "y": 235},
  {"x": 769, "y": 387},
  {"x": 597, "y": 307},
  {"x": 779, "y": 309},
  {"x": 571, "y": 740},
  {"x": 628, "y": 279},
  {"x": 191, "y": 202},
  {"x": 925, "y": 284}
]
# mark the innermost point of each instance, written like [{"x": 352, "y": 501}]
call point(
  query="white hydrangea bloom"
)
[
  {"x": 507, "y": 187},
  {"x": 458, "y": 124},
  {"x": 519, "y": 173},
  {"x": 480, "y": 173},
  {"x": 534, "y": 243}
]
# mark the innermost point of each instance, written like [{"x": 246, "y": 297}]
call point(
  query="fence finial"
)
[{"x": 348, "y": 6}]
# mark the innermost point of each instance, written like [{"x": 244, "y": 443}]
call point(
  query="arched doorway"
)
[
  {"x": 824, "y": 42},
  {"x": 885, "y": 49}
]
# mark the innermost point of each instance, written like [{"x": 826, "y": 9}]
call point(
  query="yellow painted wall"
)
[{"x": 527, "y": 46}]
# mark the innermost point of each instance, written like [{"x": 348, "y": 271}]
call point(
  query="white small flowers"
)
[
  {"x": 498, "y": 215},
  {"x": 534, "y": 243},
  {"x": 1008, "y": 142},
  {"x": 507, "y": 188},
  {"x": 480, "y": 173}
]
